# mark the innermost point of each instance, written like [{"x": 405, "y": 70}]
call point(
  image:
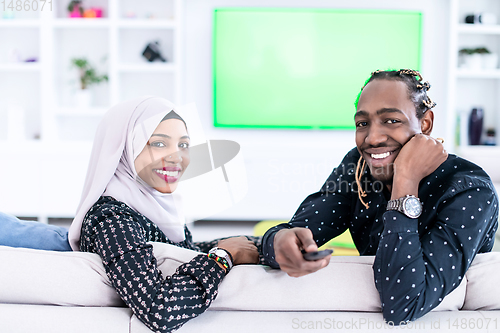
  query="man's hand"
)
[
  {"x": 243, "y": 250},
  {"x": 288, "y": 244},
  {"x": 418, "y": 158}
]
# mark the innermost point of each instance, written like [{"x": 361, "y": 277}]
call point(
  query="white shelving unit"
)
[
  {"x": 470, "y": 88},
  {"x": 23, "y": 67},
  {"x": 113, "y": 44},
  {"x": 54, "y": 136},
  {"x": 473, "y": 29},
  {"x": 471, "y": 74}
]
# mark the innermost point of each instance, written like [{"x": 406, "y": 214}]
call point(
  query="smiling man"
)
[{"x": 422, "y": 212}]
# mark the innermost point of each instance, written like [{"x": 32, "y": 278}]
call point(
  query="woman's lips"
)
[{"x": 169, "y": 176}]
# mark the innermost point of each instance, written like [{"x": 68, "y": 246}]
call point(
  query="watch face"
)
[
  {"x": 412, "y": 207},
  {"x": 220, "y": 253}
]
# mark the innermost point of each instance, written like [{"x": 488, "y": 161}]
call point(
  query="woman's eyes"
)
[
  {"x": 160, "y": 144},
  {"x": 157, "y": 144}
]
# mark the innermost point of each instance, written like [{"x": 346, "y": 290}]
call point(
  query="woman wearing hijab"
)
[{"x": 140, "y": 151}]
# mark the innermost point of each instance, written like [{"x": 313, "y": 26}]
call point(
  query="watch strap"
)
[
  {"x": 230, "y": 256},
  {"x": 396, "y": 204},
  {"x": 221, "y": 255}
]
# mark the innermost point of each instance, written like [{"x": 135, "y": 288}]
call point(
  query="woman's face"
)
[{"x": 165, "y": 156}]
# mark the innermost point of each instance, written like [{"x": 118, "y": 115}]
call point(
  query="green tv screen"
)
[{"x": 303, "y": 68}]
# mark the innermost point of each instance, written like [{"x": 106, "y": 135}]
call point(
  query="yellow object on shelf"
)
[{"x": 342, "y": 245}]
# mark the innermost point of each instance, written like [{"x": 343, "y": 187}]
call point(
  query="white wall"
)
[{"x": 284, "y": 166}]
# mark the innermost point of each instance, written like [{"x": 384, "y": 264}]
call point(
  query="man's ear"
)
[{"x": 427, "y": 122}]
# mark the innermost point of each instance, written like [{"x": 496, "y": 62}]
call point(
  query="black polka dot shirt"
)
[
  {"x": 417, "y": 261},
  {"x": 119, "y": 235}
]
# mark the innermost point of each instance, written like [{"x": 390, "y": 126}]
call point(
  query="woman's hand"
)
[{"x": 242, "y": 250}]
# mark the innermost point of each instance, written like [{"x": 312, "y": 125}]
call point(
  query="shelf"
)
[
  {"x": 479, "y": 29},
  {"x": 79, "y": 112},
  {"x": 82, "y": 23},
  {"x": 20, "y": 67},
  {"x": 104, "y": 22},
  {"x": 19, "y": 23},
  {"x": 154, "y": 67},
  {"x": 41, "y": 147},
  {"x": 493, "y": 151},
  {"x": 146, "y": 24},
  {"x": 487, "y": 157},
  {"x": 45, "y": 90},
  {"x": 478, "y": 74}
]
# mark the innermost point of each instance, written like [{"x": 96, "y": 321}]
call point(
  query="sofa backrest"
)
[{"x": 346, "y": 284}]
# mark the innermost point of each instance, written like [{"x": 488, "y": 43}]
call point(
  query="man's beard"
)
[{"x": 384, "y": 175}]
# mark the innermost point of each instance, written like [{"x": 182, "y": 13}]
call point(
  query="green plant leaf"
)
[{"x": 88, "y": 74}]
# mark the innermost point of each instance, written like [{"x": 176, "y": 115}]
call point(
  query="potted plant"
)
[
  {"x": 75, "y": 8},
  {"x": 489, "y": 59},
  {"x": 470, "y": 58},
  {"x": 478, "y": 58},
  {"x": 87, "y": 77}
]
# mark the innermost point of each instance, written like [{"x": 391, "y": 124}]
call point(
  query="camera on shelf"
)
[
  {"x": 481, "y": 18},
  {"x": 152, "y": 52}
]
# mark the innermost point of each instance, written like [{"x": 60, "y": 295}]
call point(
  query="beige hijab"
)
[{"x": 120, "y": 138}]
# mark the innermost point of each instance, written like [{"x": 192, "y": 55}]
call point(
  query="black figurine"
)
[{"x": 152, "y": 52}]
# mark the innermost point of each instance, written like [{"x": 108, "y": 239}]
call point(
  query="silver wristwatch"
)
[
  {"x": 222, "y": 254},
  {"x": 409, "y": 205}
]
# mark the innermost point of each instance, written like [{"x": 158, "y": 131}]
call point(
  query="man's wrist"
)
[
  {"x": 277, "y": 236},
  {"x": 403, "y": 186},
  {"x": 268, "y": 251}
]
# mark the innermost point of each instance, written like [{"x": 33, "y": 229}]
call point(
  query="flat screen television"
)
[{"x": 303, "y": 68}]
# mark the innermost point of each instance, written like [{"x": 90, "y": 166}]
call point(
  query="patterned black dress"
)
[{"x": 119, "y": 235}]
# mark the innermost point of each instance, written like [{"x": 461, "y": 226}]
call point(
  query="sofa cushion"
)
[
  {"x": 54, "y": 278},
  {"x": 76, "y": 278},
  {"x": 333, "y": 322},
  {"x": 68, "y": 278},
  {"x": 23, "y": 318},
  {"x": 346, "y": 284},
  {"x": 483, "y": 287}
]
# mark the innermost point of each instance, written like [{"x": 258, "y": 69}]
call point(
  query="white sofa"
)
[{"x": 42, "y": 291}]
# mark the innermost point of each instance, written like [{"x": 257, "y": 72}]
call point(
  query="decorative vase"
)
[
  {"x": 490, "y": 61},
  {"x": 475, "y": 126},
  {"x": 473, "y": 61},
  {"x": 89, "y": 13},
  {"x": 98, "y": 11},
  {"x": 76, "y": 12},
  {"x": 83, "y": 98}
]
